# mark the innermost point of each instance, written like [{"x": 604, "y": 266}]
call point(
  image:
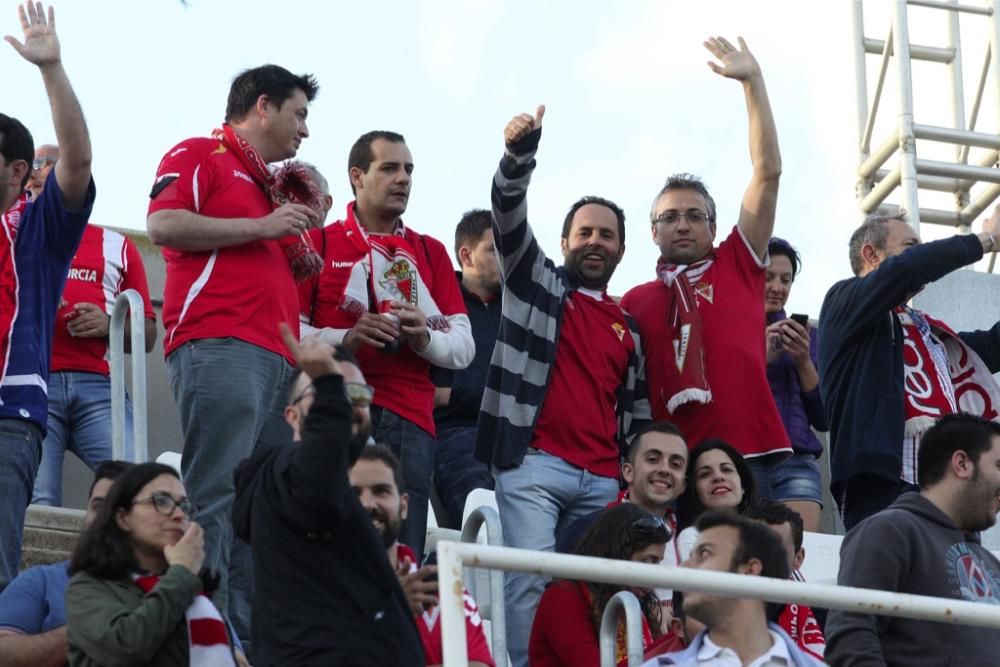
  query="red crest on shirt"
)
[
  {"x": 619, "y": 330},
  {"x": 705, "y": 291},
  {"x": 400, "y": 275}
]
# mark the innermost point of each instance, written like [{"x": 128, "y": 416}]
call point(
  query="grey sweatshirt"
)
[{"x": 913, "y": 547}]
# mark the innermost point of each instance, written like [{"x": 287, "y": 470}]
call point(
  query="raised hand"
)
[
  {"x": 420, "y": 590},
  {"x": 991, "y": 226},
  {"x": 522, "y": 125},
  {"x": 312, "y": 356},
  {"x": 41, "y": 44},
  {"x": 736, "y": 64}
]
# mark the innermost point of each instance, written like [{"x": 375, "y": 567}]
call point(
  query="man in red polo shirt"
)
[
  {"x": 229, "y": 284},
  {"x": 105, "y": 265},
  {"x": 390, "y": 295},
  {"x": 703, "y": 317}
]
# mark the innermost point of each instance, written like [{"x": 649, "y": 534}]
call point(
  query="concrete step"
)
[{"x": 50, "y": 534}]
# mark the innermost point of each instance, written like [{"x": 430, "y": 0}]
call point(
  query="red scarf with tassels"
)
[
  {"x": 10, "y": 221},
  {"x": 290, "y": 184},
  {"x": 677, "y": 370},
  {"x": 208, "y": 639}
]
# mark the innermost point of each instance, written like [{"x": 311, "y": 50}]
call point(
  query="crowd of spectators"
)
[{"x": 335, "y": 380}]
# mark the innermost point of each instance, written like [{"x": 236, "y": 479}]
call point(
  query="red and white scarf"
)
[
  {"x": 208, "y": 639},
  {"x": 936, "y": 384},
  {"x": 394, "y": 276},
  {"x": 678, "y": 369},
  {"x": 10, "y": 222},
  {"x": 290, "y": 184}
]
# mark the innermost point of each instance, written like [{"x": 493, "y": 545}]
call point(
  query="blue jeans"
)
[
  {"x": 231, "y": 396},
  {"x": 79, "y": 422},
  {"x": 537, "y": 501},
  {"x": 20, "y": 451},
  {"x": 457, "y": 472},
  {"x": 794, "y": 478},
  {"x": 415, "y": 448}
]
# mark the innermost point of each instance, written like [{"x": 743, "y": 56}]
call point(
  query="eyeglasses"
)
[
  {"x": 164, "y": 503},
  {"x": 652, "y": 523},
  {"x": 40, "y": 163},
  {"x": 359, "y": 394},
  {"x": 694, "y": 216}
]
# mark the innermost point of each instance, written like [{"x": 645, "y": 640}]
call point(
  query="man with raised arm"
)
[
  {"x": 37, "y": 242},
  {"x": 702, "y": 318},
  {"x": 559, "y": 331},
  {"x": 889, "y": 371},
  {"x": 215, "y": 209}
]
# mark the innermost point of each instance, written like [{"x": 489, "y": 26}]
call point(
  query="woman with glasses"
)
[
  {"x": 138, "y": 595},
  {"x": 718, "y": 478},
  {"x": 794, "y": 380},
  {"x": 568, "y": 619}
]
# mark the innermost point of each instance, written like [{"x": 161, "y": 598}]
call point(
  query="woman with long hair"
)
[
  {"x": 138, "y": 595},
  {"x": 568, "y": 619},
  {"x": 718, "y": 478},
  {"x": 794, "y": 380}
]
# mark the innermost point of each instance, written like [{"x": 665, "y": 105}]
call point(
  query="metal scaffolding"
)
[{"x": 879, "y": 175}]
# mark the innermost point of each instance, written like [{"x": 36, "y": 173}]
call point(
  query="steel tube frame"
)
[
  {"x": 453, "y": 556},
  {"x": 128, "y": 303},
  {"x": 498, "y": 609},
  {"x": 621, "y": 602}
]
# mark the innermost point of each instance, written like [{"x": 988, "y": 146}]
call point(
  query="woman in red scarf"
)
[
  {"x": 568, "y": 618},
  {"x": 138, "y": 595}
]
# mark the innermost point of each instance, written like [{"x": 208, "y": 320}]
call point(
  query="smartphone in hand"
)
[{"x": 801, "y": 320}]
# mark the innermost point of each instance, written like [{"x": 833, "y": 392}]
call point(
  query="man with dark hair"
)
[
  {"x": 703, "y": 316},
  {"x": 33, "y": 607},
  {"x": 79, "y": 415},
  {"x": 887, "y": 370},
  {"x": 37, "y": 241},
  {"x": 559, "y": 332},
  {"x": 797, "y": 620},
  {"x": 927, "y": 543},
  {"x": 325, "y": 593},
  {"x": 458, "y": 394},
  {"x": 229, "y": 283},
  {"x": 377, "y": 478},
  {"x": 738, "y": 631},
  {"x": 388, "y": 294}
]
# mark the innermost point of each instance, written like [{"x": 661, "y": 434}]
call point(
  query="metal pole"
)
[
  {"x": 453, "y": 642},
  {"x": 129, "y": 302},
  {"x": 627, "y": 573},
  {"x": 621, "y": 602},
  {"x": 497, "y": 609},
  {"x": 957, "y": 90},
  {"x": 861, "y": 92},
  {"x": 907, "y": 141}
]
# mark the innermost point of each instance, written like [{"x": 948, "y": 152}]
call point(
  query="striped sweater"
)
[{"x": 535, "y": 291}]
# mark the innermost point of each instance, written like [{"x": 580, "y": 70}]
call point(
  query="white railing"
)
[
  {"x": 620, "y": 603},
  {"x": 496, "y": 611},
  {"x": 128, "y": 302},
  {"x": 452, "y": 556}
]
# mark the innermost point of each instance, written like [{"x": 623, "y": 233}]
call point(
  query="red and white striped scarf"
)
[
  {"x": 208, "y": 639},
  {"x": 10, "y": 221},
  {"x": 677, "y": 371}
]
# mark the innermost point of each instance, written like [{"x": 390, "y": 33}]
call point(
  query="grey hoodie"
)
[{"x": 913, "y": 547}]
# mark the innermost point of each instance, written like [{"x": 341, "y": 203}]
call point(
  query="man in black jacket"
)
[
  {"x": 325, "y": 591},
  {"x": 458, "y": 394},
  {"x": 887, "y": 371}
]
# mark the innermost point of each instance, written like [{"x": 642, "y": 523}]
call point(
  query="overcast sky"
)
[{"x": 629, "y": 100}]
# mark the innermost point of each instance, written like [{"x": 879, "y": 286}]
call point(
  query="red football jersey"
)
[
  {"x": 241, "y": 291},
  {"x": 105, "y": 265}
]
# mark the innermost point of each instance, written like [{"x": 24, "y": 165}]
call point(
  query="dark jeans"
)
[
  {"x": 457, "y": 472},
  {"x": 866, "y": 495},
  {"x": 20, "y": 452},
  {"x": 415, "y": 448},
  {"x": 231, "y": 396}
]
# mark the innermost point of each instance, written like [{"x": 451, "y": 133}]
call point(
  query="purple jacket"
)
[{"x": 801, "y": 411}]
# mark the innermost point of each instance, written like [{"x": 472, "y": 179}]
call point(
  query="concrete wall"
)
[
  {"x": 164, "y": 423},
  {"x": 965, "y": 300}
]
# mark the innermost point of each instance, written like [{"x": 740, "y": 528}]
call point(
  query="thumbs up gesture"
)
[{"x": 522, "y": 125}]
